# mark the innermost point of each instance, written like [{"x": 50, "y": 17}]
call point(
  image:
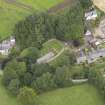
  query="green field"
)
[
  {"x": 40, "y": 4},
  {"x": 12, "y": 12},
  {"x": 59, "y": 60},
  {"x": 52, "y": 45},
  {"x": 76, "y": 95},
  {"x": 5, "y": 98}
]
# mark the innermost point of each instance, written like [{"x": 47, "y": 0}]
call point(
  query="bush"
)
[{"x": 27, "y": 96}]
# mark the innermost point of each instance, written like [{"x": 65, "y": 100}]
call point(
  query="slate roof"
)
[{"x": 92, "y": 56}]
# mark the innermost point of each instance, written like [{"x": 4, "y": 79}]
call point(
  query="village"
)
[
  {"x": 94, "y": 43},
  {"x": 52, "y": 52},
  {"x": 94, "y": 46}
]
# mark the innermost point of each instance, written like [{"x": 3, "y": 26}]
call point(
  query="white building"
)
[
  {"x": 88, "y": 33},
  {"x": 88, "y": 36},
  {"x": 6, "y": 45},
  {"x": 92, "y": 15}
]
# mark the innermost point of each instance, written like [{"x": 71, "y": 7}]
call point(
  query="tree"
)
[
  {"x": 28, "y": 32},
  {"x": 14, "y": 86},
  {"x": 27, "y": 96},
  {"x": 96, "y": 78},
  {"x": 30, "y": 54},
  {"x": 39, "y": 69},
  {"x": 39, "y": 27},
  {"x": 86, "y": 4},
  {"x": 68, "y": 59},
  {"x": 14, "y": 53},
  {"x": 44, "y": 82},
  {"x": 13, "y": 70},
  {"x": 9, "y": 74},
  {"x": 27, "y": 79},
  {"x": 63, "y": 76}
]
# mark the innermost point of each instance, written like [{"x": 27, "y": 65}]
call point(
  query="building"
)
[
  {"x": 92, "y": 15},
  {"x": 6, "y": 45},
  {"x": 91, "y": 57},
  {"x": 81, "y": 57},
  {"x": 88, "y": 36}
]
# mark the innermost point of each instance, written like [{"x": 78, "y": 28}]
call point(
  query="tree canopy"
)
[{"x": 39, "y": 27}]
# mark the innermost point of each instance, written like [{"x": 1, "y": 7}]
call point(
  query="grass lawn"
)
[
  {"x": 9, "y": 16},
  {"x": 77, "y": 95},
  {"x": 11, "y": 13},
  {"x": 59, "y": 60},
  {"x": 53, "y": 45},
  {"x": 5, "y": 98},
  {"x": 39, "y": 4}
]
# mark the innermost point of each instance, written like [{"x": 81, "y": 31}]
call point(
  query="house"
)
[
  {"x": 91, "y": 57},
  {"x": 102, "y": 28},
  {"x": 97, "y": 43},
  {"x": 88, "y": 36},
  {"x": 45, "y": 58},
  {"x": 12, "y": 41},
  {"x": 92, "y": 15},
  {"x": 81, "y": 57},
  {"x": 6, "y": 45},
  {"x": 88, "y": 33}
]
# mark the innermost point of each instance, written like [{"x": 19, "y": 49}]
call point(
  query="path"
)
[
  {"x": 19, "y": 4},
  {"x": 56, "y": 55},
  {"x": 60, "y": 6},
  {"x": 79, "y": 80},
  {"x": 28, "y": 7},
  {"x": 50, "y": 41}
]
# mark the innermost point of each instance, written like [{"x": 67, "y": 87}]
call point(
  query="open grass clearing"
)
[
  {"x": 39, "y": 4},
  {"x": 52, "y": 45},
  {"x": 11, "y": 13},
  {"x": 77, "y": 95},
  {"x": 59, "y": 60},
  {"x": 63, "y": 58},
  {"x": 5, "y": 98},
  {"x": 9, "y": 16}
]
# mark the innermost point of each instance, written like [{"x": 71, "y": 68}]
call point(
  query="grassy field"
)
[
  {"x": 5, "y": 98},
  {"x": 52, "y": 45},
  {"x": 59, "y": 60},
  {"x": 76, "y": 95},
  {"x": 39, "y": 4},
  {"x": 11, "y": 12}
]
